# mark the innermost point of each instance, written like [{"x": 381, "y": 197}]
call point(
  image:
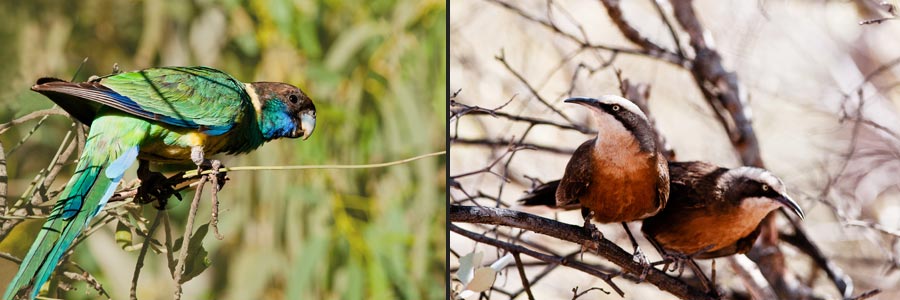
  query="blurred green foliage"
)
[{"x": 376, "y": 71}]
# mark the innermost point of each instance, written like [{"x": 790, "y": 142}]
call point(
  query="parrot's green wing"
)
[{"x": 192, "y": 97}]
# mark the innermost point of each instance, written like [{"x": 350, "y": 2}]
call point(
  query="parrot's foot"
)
[
  {"x": 213, "y": 166},
  {"x": 155, "y": 186},
  {"x": 218, "y": 179}
]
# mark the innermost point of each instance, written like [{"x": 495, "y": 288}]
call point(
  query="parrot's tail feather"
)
[{"x": 80, "y": 201}]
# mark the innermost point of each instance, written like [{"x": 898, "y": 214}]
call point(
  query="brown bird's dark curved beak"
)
[
  {"x": 790, "y": 204},
  {"x": 582, "y": 101}
]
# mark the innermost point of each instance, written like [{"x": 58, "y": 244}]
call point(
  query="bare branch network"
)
[{"x": 480, "y": 213}]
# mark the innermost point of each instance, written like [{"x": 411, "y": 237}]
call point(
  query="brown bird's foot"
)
[
  {"x": 595, "y": 233},
  {"x": 155, "y": 186},
  {"x": 640, "y": 258},
  {"x": 674, "y": 260}
]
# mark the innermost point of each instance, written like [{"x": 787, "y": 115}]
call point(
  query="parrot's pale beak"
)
[{"x": 307, "y": 123}]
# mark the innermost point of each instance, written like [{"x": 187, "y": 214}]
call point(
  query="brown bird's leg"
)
[
  {"x": 675, "y": 259},
  {"x": 596, "y": 235},
  {"x": 638, "y": 255},
  {"x": 588, "y": 215},
  {"x": 710, "y": 288},
  {"x": 153, "y": 185}
]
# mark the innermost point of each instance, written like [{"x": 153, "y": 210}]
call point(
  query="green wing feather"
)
[{"x": 197, "y": 97}]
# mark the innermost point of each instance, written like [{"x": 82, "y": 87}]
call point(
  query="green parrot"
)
[{"x": 168, "y": 115}]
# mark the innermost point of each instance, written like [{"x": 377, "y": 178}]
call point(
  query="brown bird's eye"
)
[
  {"x": 615, "y": 108},
  {"x": 765, "y": 187},
  {"x": 293, "y": 99}
]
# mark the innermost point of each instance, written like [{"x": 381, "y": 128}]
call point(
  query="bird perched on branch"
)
[
  {"x": 715, "y": 211},
  {"x": 618, "y": 176},
  {"x": 711, "y": 212},
  {"x": 168, "y": 115}
]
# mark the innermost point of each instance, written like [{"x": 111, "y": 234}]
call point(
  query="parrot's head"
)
[{"x": 283, "y": 110}]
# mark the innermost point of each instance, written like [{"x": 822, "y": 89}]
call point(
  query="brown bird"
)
[
  {"x": 618, "y": 176},
  {"x": 714, "y": 211}
]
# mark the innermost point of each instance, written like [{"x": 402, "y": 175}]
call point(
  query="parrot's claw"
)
[
  {"x": 197, "y": 156},
  {"x": 213, "y": 166},
  {"x": 155, "y": 186}
]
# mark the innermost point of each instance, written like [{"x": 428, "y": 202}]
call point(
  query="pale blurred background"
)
[
  {"x": 376, "y": 71},
  {"x": 795, "y": 60}
]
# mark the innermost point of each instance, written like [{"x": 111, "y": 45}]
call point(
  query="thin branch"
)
[
  {"x": 186, "y": 239},
  {"x": 140, "y": 261},
  {"x": 55, "y": 110},
  {"x": 548, "y": 258},
  {"x": 476, "y": 110},
  {"x": 502, "y": 59},
  {"x": 193, "y": 173},
  {"x": 575, "y": 234},
  {"x": 525, "y": 283},
  {"x": 499, "y": 143}
]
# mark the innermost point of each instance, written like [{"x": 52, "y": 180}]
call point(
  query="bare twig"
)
[
  {"x": 476, "y": 110},
  {"x": 502, "y": 59},
  {"x": 500, "y": 143},
  {"x": 576, "y": 294},
  {"x": 140, "y": 261},
  {"x": 574, "y": 234},
  {"x": 186, "y": 239},
  {"x": 523, "y": 276},
  {"x": 553, "y": 259},
  {"x": 55, "y": 110}
]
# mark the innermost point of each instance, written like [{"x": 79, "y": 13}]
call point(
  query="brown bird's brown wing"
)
[
  {"x": 577, "y": 177},
  {"x": 662, "y": 182},
  {"x": 741, "y": 246},
  {"x": 691, "y": 183}
]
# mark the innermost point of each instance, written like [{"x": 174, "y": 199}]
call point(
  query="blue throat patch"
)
[{"x": 274, "y": 120}]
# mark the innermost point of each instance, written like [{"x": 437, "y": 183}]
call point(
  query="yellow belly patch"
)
[{"x": 196, "y": 138}]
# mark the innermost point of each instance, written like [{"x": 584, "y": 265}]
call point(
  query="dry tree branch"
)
[
  {"x": 547, "y": 258},
  {"x": 186, "y": 239},
  {"x": 664, "y": 55},
  {"x": 575, "y": 234},
  {"x": 500, "y": 143},
  {"x": 463, "y": 109},
  {"x": 140, "y": 260},
  {"x": 502, "y": 59}
]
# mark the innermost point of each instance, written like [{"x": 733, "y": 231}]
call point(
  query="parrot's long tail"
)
[{"x": 85, "y": 195}]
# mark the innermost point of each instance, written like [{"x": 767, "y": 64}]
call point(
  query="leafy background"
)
[{"x": 376, "y": 70}]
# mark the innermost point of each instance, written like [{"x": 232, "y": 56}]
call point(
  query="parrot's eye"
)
[{"x": 293, "y": 99}]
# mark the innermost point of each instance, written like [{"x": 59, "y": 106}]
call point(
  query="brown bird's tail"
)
[{"x": 543, "y": 195}]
